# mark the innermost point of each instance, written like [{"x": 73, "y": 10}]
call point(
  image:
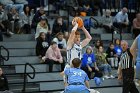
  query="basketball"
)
[{"x": 79, "y": 21}]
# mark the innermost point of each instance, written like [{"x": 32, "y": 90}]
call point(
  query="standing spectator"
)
[
  {"x": 107, "y": 21},
  {"x": 26, "y": 19},
  {"x": 102, "y": 63},
  {"x": 3, "y": 81},
  {"x": 97, "y": 44},
  {"x": 13, "y": 17},
  {"x": 42, "y": 45},
  {"x": 111, "y": 55},
  {"x": 121, "y": 20},
  {"x": 89, "y": 63},
  {"x": 53, "y": 55},
  {"x": 37, "y": 16},
  {"x": 61, "y": 42},
  {"x": 126, "y": 69},
  {"x": 43, "y": 26},
  {"x": 59, "y": 26},
  {"x": 136, "y": 25}
]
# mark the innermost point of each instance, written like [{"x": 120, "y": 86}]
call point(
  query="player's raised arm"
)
[
  {"x": 72, "y": 35},
  {"x": 88, "y": 37}
]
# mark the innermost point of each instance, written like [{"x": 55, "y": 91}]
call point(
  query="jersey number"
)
[{"x": 77, "y": 74}]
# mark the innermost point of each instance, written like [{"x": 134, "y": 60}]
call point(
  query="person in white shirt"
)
[
  {"x": 61, "y": 42},
  {"x": 121, "y": 19}
]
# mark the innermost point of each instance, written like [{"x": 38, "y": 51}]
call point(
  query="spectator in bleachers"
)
[
  {"x": 3, "y": 81},
  {"x": 53, "y": 56},
  {"x": 59, "y": 26},
  {"x": 89, "y": 63},
  {"x": 26, "y": 20},
  {"x": 111, "y": 55},
  {"x": 136, "y": 25},
  {"x": 96, "y": 46},
  {"x": 102, "y": 64},
  {"x": 97, "y": 5},
  {"x": 121, "y": 20},
  {"x": 107, "y": 21},
  {"x": 37, "y": 16},
  {"x": 42, "y": 45},
  {"x": 43, "y": 26},
  {"x": 13, "y": 17},
  {"x": 61, "y": 42},
  {"x": 117, "y": 47},
  {"x": 4, "y": 23}
]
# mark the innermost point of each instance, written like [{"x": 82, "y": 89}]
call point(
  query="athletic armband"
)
[{"x": 75, "y": 27}]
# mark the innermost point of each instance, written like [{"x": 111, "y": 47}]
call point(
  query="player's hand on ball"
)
[{"x": 74, "y": 22}]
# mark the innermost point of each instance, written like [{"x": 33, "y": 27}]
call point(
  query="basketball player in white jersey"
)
[{"x": 74, "y": 45}]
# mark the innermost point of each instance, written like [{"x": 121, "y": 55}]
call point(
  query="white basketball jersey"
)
[{"x": 74, "y": 52}]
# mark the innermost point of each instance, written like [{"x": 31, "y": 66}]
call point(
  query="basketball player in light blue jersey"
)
[
  {"x": 135, "y": 49},
  {"x": 77, "y": 79}
]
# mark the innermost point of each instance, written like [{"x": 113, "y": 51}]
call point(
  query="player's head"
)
[
  {"x": 124, "y": 45},
  {"x": 1, "y": 72},
  {"x": 77, "y": 37},
  {"x": 76, "y": 62}
]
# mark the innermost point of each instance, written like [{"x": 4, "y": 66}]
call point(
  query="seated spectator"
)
[
  {"x": 121, "y": 20},
  {"x": 53, "y": 55},
  {"x": 61, "y": 42},
  {"x": 59, "y": 26},
  {"x": 102, "y": 63},
  {"x": 117, "y": 47},
  {"x": 4, "y": 23},
  {"x": 89, "y": 63},
  {"x": 43, "y": 26},
  {"x": 13, "y": 17},
  {"x": 37, "y": 16},
  {"x": 3, "y": 81},
  {"x": 42, "y": 45},
  {"x": 111, "y": 56},
  {"x": 26, "y": 20},
  {"x": 107, "y": 21},
  {"x": 136, "y": 25},
  {"x": 97, "y": 44}
]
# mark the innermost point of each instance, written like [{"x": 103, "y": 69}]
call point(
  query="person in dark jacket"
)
[
  {"x": 37, "y": 16},
  {"x": 59, "y": 26},
  {"x": 3, "y": 81},
  {"x": 111, "y": 55},
  {"x": 42, "y": 44}
]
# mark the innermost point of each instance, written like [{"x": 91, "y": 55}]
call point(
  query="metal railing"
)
[
  {"x": 3, "y": 57},
  {"x": 27, "y": 74}
]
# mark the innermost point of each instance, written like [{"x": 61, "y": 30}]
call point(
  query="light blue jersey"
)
[
  {"x": 74, "y": 76},
  {"x": 138, "y": 53}
]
